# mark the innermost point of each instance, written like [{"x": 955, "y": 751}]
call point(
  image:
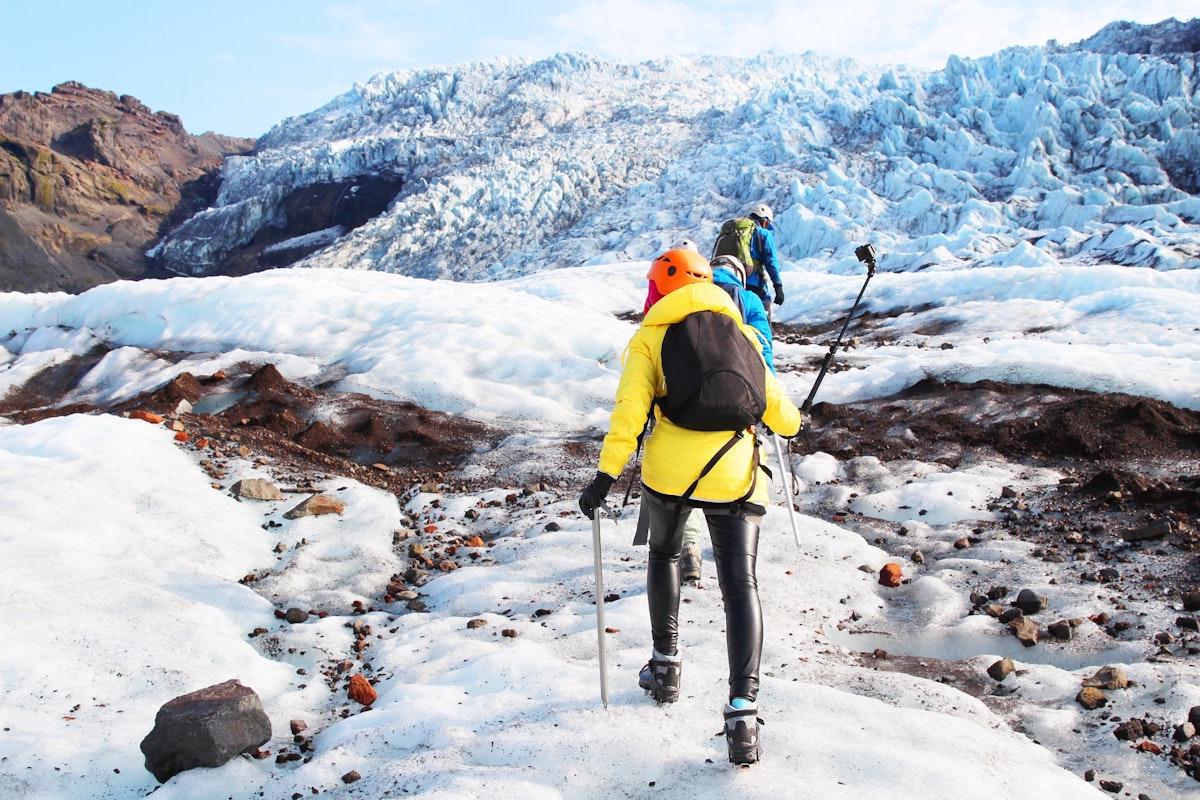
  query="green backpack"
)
[{"x": 734, "y": 240}]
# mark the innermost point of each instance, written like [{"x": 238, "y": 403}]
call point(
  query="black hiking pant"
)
[{"x": 734, "y": 534}]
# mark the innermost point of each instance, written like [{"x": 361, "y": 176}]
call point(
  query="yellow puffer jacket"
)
[{"x": 675, "y": 456}]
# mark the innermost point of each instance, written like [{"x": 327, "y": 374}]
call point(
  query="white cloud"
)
[{"x": 918, "y": 33}]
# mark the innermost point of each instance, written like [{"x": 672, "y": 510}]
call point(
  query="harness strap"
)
[{"x": 642, "y": 535}]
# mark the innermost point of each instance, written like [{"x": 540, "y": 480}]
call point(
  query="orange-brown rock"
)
[
  {"x": 315, "y": 506},
  {"x": 891, "y": 575},
  {"x": 147, "y": 416},
  {"x": 361, "y": 691},
  {"x": 474, "y": 541}
]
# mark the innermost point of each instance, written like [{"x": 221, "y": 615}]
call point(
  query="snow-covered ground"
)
[
  {"x": 1037, "y": 220},
  {"x": 122, "y": 559}
]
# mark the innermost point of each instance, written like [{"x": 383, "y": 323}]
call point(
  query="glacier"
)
[{"x": 1082, "y": 154}]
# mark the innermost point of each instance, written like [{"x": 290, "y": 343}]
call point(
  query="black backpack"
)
[{"x": 716, "y": 380}]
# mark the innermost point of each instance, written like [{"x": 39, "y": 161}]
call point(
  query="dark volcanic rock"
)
[{"x": 205, "y": 728}]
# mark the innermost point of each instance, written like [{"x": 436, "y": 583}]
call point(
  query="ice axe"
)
[
  {"x": 866, "y": 254},
  {"x": 785, "y": 469},
  {"x": 600, "y": 626}
]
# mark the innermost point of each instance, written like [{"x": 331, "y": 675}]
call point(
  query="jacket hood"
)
[
  {"x": 726, "y": 277},
  {"x": 688, "y": 299}
]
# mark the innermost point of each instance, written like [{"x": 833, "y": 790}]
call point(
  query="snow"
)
[
  {"x": 1028, "y": 234},
  {"x": 123, "y": 561}
]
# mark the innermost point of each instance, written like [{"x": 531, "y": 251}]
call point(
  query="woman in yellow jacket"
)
[{"x": 733, "y": 494}]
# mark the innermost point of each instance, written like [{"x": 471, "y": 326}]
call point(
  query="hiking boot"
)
[
  {"x": 689, "y": 563},
  {"x": 741, "y": 734},
  {"x": 660, "y": 677}
]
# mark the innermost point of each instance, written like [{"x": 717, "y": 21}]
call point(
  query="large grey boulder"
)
[{"x": 205, "y": 728}]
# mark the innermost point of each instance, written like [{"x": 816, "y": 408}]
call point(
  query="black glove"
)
[
  {"x": 778, "y": 294},
  {"x": 595, "y": 493}
]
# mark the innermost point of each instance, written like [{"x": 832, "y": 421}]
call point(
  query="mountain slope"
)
[
  {"x": 509, "y": 167},
  {"x": 88, "y": 179}
]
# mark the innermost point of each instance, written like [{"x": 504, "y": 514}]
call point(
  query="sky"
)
[
  {"x": 237, "y": 68},
  {"x": 100, "y": 592}
]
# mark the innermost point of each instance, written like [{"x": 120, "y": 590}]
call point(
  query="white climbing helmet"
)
[{"x": 763, "y": 211}]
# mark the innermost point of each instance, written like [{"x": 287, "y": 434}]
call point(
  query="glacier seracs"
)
[{"x": 513, "y": 166}]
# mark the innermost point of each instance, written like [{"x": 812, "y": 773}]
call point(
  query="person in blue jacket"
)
[
  {"x": 762, "y": 252},
  {"x": 730, "y": 275}
]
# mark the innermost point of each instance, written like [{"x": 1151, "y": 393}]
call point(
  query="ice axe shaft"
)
[
  {"x": 865, "y": 253},
  {"x": 600, "y": 626},
  {"x": 785, "y": 469}
]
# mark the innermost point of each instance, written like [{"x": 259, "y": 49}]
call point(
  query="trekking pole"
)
[
  {"x": 865, "y": 253},
  {"x": 785, "y": 467},
  {"x": 600, "y": 626}
]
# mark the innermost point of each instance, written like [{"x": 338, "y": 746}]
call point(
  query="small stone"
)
[
  {"x": 298, "y": 726},
  {"x": 1184, "y": 732},
  {"x": 917, "y": 557},
  {"x": 1091, "y": 698},
  {"x": 1007, "y": 615},
  {"x": 890, "y": 575},
  {"x": 351, "y": 776},
  {"x": 361, "y": 691},
  {"x": 316, "y": 505},
  {"x": 1025, "y": 630},
  {"x": 1194, "y": 716},
  {"x": 476, "y": 623},
  {"x": 1108, "y": 677},
  {"x": 1113, "y": 787},
  {"x": 962, "y": 544},
  {"x": 1060, "y": 630},
  {"x": 295, "y": 615},
  {"x": 1191, "y": 600},
  {"x": 1030, "y": 601},
  {"x": 1130, "y": 731},
  {"x": 1001, "y": 669},
  {"x": 510, "y": 633},
  {"x": 1154, "y": 530}
]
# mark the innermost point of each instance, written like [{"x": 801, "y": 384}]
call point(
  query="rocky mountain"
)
[
  {"x": 509, "y": 167},
  {"x": 1168, "y": 36},
  {"x": 89, "y": 180}
]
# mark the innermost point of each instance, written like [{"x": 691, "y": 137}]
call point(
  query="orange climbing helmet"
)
[{"x": 677, "y": 268}]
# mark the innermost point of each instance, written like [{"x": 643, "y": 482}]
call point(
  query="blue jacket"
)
[
  {"x": 762, "y": 250},
  {"x": 753, "y": 312}
]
